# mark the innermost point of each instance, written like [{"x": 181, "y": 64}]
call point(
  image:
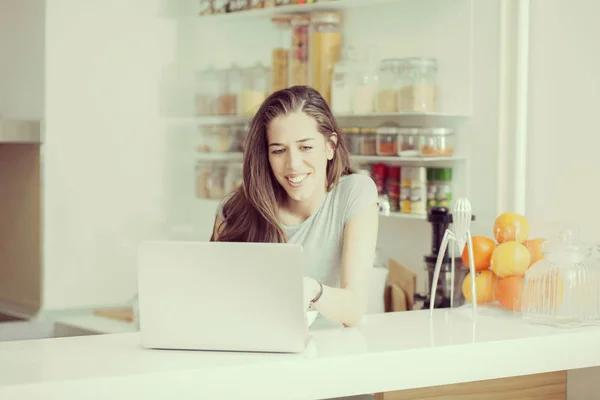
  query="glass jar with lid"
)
[
  {"x": 254, "y": 90},
  {"x": 207, "y": 92},
  {"x": 436, "y": 142},
  {"x": 368, "y": 139},
  {"x": 390, "y": 82},
  {"x": 419, "y": 92},
  {"x": 353, "y": 139},
  {"x": 343, "y": 83},
  {"x": 387, "y": 140},
  {"x": 203, "y": 172},
  {"x": 408, "y": 142},
  {"x": 325, "y": 49},
  {"x": 216, "y": 181},
  {"x": 233, "y": 179},
  {"x": 299, "y": 53},
  {"x": 227, "y": 100},
  {"x": 280, "y": 54}
]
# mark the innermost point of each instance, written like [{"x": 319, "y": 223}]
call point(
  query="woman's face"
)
[{"x": 298, "y": 155}]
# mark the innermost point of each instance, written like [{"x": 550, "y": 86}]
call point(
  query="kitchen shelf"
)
[
  {"x": 20, "y": 131},
  {"x": 342, "y": 118},
  {"x": 405, "y": 216},
  {"x": 322, "y": 5},
  {"x": 431, "y": 161}
]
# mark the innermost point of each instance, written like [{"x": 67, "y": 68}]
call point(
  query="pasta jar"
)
[
  {"x": 390, "y": 75},
  {"x": 437, "y": 142},
  {"x": 299, "y": 71},
  {"x": 387, "y": 141},
  {"x": 419, "y": 92},
  {"x": 255, "y": 88},
  {"x": 325, "y": 43},
  {"x": 280, "y": 54}
]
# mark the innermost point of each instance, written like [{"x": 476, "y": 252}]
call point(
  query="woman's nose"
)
[{"x": 294, "y": 159}]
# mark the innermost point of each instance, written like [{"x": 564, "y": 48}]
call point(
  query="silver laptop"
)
[{"x": 222, "y": 296}]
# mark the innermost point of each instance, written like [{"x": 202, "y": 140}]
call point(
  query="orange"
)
[
  {"x": 509, "y": 292},
  {"x": 510, "y": 258},
  {"x": 511, "y": 226},
  {"x": 535, "y": 249},
  {"x": 482, "y": 252},
  {"x": 485, "y": 285}
]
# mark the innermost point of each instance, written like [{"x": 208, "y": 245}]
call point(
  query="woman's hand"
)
[{"x": 311, "y": 288}]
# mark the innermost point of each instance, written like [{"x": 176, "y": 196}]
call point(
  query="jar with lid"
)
[
  {"x": 343, "y": 83},
  {"x": 207, "y": 139},
  {"x": 299, "y": 56},
  {"x": 366, "y": 86},
  {"x": 436, "y": 142},
  {"x": 353, "y": 139},
  {"x": 390, "y": 81},
  {"x": 368, "y": 138},
  {"x": 254, "y": 90},
  {"x": 408, "y": 142},
  {"x": 280, "y": 54},
  {"x": 419, "y": 92},
  {"x": 227, "y": 99},
  {"x": 216, "y": 182},
  {"x": 233, "y": 179},
  {"x": 325, "y": 49},
  {"x": 387, "y": 140},
  {"x": 203, "y": 172},
  {"x": 207, "y": 92},
  {"x": 206, "y": 7}
]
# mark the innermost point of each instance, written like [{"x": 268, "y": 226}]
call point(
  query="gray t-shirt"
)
[{"x": 322, "y": 234}]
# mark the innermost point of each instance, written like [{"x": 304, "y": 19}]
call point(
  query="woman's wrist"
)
[{"x": 316, "y": 292}]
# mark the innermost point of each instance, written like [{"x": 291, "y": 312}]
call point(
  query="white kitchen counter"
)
[{"x": 387, "y": 352}]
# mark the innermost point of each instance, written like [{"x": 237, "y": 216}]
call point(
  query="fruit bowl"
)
[{"x": 502, "y": 255}]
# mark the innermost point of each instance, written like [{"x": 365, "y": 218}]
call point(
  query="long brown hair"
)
[{"x": 250, "y": 213}]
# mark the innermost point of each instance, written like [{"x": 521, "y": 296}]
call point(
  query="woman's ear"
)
[{"x": 332, "y": 145}]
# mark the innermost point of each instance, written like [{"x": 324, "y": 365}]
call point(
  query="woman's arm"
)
[{"x": 348, "y": 304}]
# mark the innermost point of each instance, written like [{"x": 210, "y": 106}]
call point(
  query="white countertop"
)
[{"x": 386, "y": 352}]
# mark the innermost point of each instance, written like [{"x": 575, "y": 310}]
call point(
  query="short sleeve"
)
[{"x": 360, "y": 192}]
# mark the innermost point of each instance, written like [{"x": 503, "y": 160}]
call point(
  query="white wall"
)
[
  {"x": 22, "y": 59},
  {"x": 105, "y": 153},
  {"x": 564, "y": 95}
]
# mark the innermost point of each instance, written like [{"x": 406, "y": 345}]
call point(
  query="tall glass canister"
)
[
  {"x": 325, "y": 49},
  {"x": 299, "y": 57},
  {"x": 280, "y": 57}
]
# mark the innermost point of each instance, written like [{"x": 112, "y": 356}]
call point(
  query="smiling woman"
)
[{"x": 298, "y": 187}]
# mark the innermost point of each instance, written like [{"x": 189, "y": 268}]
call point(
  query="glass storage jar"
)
[
  {"x": 207, "y": 139},
  {"x": 325, "y": 48},
  {"x": 207, "y": 92},
  {"x": 343, "y": 83},
  {"x": 419, "y": 91},
  {"x": 389, "y": 84},
  {"x": 280, "y": 55},
  {"x": 408, "y": 142},
  {"x": 299, "y": 67},
  {"x": 387, "y": 140},
  {"x": 227, "y": 100},
  {"x": 203, "y": 172},
  {"x": 233, "y": 179},
  {"x": 353, "y": 139},
  {"x": 436, "y": 142},
  {"x": 368, "y": 139},
  {"x": 216, "y": 181},
  {"x": 254, "y": 90}
]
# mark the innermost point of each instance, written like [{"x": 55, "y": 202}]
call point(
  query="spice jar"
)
[
  {"x": 280, "y": 54},
  {"x": 408, "y": 142},
  {"x": 254, "y": 91},
  {"x": 437, "y": 142},
  {"x": 390, "y": 81},
  {"x": 368, "y": 137},
  {"x": 354, "y": 140},
  {"x": 299, "y": 70},
  {"x": 387, "y": 141},
  {"x": 325, "y": 42},
  {"x": 419, "y": 86}
]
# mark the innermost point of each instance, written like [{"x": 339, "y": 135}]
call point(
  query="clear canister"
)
[
  {"x": 353, "y": 139},
  {"x": 207, "y": 92},
  {"x": 203, "y": 172},
  {"x": 299, "y": 56},
  {"x": 390, "y": 82},
  {"x": 280, "y": 54},
  {"x": 368, "y": 138},
  {"x": 436, "y": 142},
  {"x": 207, "y": 139},
  {"x": 227, "y": 99},
  {"x": 408, "y": 142},
  {"x": 233, "y": 179},
  {"x": 216, "y": 182},
  {"x": 387, "y": 140},
  {"x": 325, "y": 49},
  {"x": 419, "y": 92},
  {"x": 254, "y": 91}
]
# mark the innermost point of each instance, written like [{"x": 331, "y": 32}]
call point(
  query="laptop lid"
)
[{"x": 222, "y": 296}]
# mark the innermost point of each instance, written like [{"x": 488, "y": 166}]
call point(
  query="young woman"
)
[{"x": 298, "y": 187}]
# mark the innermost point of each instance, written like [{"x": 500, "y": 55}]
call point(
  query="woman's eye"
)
[
  {"x": 306, "y": 148},
  {"x": 277, "y": 151}
]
